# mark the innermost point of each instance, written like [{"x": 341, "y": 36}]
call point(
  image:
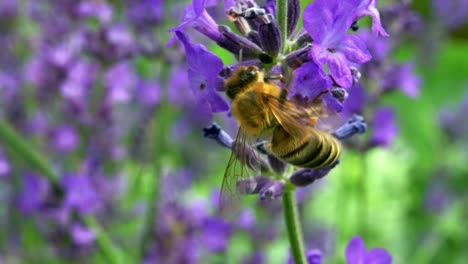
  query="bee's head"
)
[
  {"x": 238, "y": 81},
  {"x": 248, "y": 74}
]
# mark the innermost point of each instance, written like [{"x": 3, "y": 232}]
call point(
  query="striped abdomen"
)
[{"x": 315, "y": 149}]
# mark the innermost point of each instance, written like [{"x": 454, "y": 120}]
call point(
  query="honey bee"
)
[{"x": 263, "y": 110}]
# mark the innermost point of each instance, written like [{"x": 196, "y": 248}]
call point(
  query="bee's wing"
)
[
  {"x": 295, "y": 116},
  {"x": 243, "y": 163}
]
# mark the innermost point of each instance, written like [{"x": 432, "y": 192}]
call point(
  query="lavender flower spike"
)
[
  {"x": 327, "y": 22},
  {"x": 356, "y": 253}
]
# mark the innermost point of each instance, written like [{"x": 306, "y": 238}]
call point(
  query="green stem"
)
[
  {"x": 282, "y": 18},
  {"x": 293, "y": 226},
  {"x": 110, "y": 252},
  {"x": 12, "y": 140}
]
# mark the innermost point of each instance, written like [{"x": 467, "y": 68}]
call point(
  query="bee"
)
[{"x": 263, "y": 110}]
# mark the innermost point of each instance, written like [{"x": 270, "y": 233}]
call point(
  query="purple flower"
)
[
  {"x": 146, "y": 12},
  {"x": 196, "y": 16},
  {"x": 121, "y": 82},
  {"x": 327, "y": 22},
  {"x": 384, "y": 127},
  {"x": 309, "y": 81},
  {"x": 402, "y": 77},
  {"x": 80, "y": 193},
  {"x": 356, "y": 101},
  {"x": 5, "y": 167},
  {"x": 203, "y": 72},
  {"x": 356, "y": 253},
  {"x": 81, "y": 77},
  {"x": 451, "y": 13},
  {"x": 82, "y": 235},
  {"x": 215, "y": 234},
  {"x": 33, "y": 194},
  {"x": 65, "y": 138},
  {"x": 100, "y": 10},
  {"x": 369, "y": 8},
  {"x": 149, "y": 92}
]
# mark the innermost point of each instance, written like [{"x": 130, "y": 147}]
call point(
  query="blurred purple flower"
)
[
  {"x": 65, "y": 138},
  {"x": 80, "y": 193},
  {"x": 356, "y": 253},
  {"x": 385, "y": 129},
  {"x": 5, "y": 167},
  {"x": 101, "y": 10},
  {"x": 81, "y": 76},
  {"x": 146, "y": 12},
  {"x": 82, "y": 235},
  {"x": 379, "y": 48},
  {"x": 454, "y": 122},
  {"x": 8, "y": 8},
  {"x": 452, "y": 13},
  {"x": 121, "y": 81},
  {"x": 33, "y": 194},
  {"x": 215, "y": 234},
  {"x": 327, "y": 22},
  {"x": 402, "y": 77},
  {"x": 247, "y": 219},
  {"x": 357, "y": 98},
  {"x": 204, "y": 69},
  {"x": 149, "y": 92}
]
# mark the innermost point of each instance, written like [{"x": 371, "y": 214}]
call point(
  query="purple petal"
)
[
  {"x": 355, "y": 50},
  {"x": 5, "y": 167},
  {"x": 82, "y": 235},
  {"x": 339, "y": 70},
  {"x": 385, "y": 127},
  {"x": 332, "y": 102},
  {"x": 356, "y": 100},
  {"x": 80, "y": 193},
  {"x": 33, "y": 193},
  {"x": 309, "y": 81},
  {"x": 204, "y": 69},
  {"x": 314, "y": 256},
  {"x": 355, "y": 251},
  {"x": 378, "y": 256},
  {"x": 369, "y": 8},
  {"x": 402, "y": 77},
  {"x": 65, "y": 138},
  {"x": 327, "y": 21}
]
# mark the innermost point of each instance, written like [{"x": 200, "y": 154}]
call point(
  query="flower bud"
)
[
  {"x": 272, "y": 190},
  {"x": 304, "y": 177},
  {"x": 294, "y": 12},
  {"x": 238, "y": 45},
  {"x": 215, "y": 132},
  {"x": 270, "y": 38},
  {"x": 298, "y": 57},
  {"x": 354, "y": 125}
]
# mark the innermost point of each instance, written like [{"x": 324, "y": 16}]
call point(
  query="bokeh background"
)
[{"x": 103, "y": 159}]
